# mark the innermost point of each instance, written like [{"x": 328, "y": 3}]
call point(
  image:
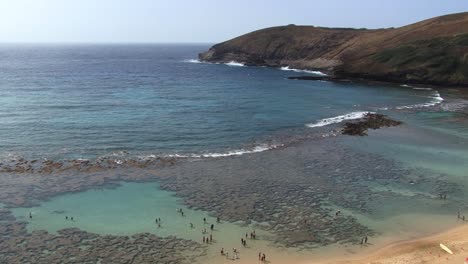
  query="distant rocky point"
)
[{"x": 434, "y": 51}]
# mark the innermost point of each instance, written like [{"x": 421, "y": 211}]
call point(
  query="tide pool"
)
[
  {"x": 125, "y": 210},
  {"x": 132, "y": 208}
]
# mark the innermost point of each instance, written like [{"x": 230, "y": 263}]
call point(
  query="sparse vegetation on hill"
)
[{"x": 433, "y": 51}]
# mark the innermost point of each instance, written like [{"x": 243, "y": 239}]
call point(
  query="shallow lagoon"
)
[{"x": 124, "y": 210}]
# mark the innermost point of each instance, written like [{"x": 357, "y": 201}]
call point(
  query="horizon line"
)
[{"x": 102, "y": 43}]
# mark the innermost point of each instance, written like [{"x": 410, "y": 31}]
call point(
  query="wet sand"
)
[
  {"x": 415, "y": 251},
  {"x": 423, "y": 250}
]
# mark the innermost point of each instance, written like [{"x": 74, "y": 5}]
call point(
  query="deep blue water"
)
[{"x": 84, "y": 101}]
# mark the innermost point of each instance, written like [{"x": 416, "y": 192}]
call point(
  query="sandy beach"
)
[
  {"x": 423, "y": 250},
  {"x": 417, "y": 251}
]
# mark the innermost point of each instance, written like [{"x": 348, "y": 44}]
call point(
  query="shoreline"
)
[
  {"x": 419, "y": 250},
  {"x": 328, "y": 76},
  {"x": 375, "y": 81},
  {"x": 257, "y": 189}
]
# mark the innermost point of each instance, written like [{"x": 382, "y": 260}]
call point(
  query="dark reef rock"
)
[
  {"x": 73, "y": 245},
  {"x": 311, "y": 78},
  {"x": 370, "y": 121}
]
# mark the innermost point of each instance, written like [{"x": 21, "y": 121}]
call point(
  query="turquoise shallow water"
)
[
  {"x": 131, "y": 101},
  {"x": 125, "y": 210}
]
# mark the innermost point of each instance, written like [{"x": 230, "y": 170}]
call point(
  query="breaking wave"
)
[
  {"x": 286, "y": 68},
  {"x": 338, "y": 119},
  {"x": 238, "y": 152},
  {"x": 435, "y": 100},
  {"x": 193, "y": 61},
  {"x": 235, "y": 63},
  {"x": 420, "y": 88},
  {"x": 231, "y": 63}
]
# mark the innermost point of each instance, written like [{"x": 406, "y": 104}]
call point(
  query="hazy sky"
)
[{"x": 198, "y": 20}]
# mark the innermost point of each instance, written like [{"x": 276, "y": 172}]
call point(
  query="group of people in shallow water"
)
[
  {"x": 209, "y": 238},
  {"x": 158, "y": 221},
  {"x": 235, "y": 254},
  {"x": 66, "y": 217}
]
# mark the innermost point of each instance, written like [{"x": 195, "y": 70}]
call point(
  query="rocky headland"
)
[{"x": 434, "y": 51}]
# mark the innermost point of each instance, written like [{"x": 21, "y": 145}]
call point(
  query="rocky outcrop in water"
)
[
  {"x": 370, "y": 121},
  {"x": 434, "y": 51}
]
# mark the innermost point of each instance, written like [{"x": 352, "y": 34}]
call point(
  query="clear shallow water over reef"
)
[
  {"x": 127, "y": 102},
  {"x": 86, "y": 101}
]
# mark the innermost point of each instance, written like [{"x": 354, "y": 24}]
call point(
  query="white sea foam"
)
[
  {"x": 435, "y": 100},
  {"x": 286, "y": 68},
  {"x": 235, "y": 63},
  {"x": 338, "y": 119},
  {"x": 415, "y": 88},
  {"x": 420, "y": 88},
  {"x": 238, "y": 152},
  {"x": 194, "y": 61}
]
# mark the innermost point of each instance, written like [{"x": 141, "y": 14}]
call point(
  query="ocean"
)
[
  {"x": 163, "y": 131},
  {"x": 88, "y": 101}
]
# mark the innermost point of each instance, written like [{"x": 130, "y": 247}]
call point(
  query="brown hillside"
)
[{"x": 433, "y": 51}]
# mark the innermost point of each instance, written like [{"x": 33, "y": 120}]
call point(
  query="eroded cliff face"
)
[{"x": 433, "y": 51}]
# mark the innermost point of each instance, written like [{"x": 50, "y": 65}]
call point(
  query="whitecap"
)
[
  {"x": 237, "y": 152},
  {"x": 235, "y": 64},
  {"x": 286, "y": 68},
  {"x": 435, "y": 100},
  {"x": 338, "y": 119},
  {"x": 193, "y": 61}
]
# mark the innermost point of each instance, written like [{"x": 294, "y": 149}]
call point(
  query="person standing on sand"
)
[
  {"x": 259, "y": 255},
  {"x": 365, "y": 240},
  {"x": 222, "y": 251}
]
